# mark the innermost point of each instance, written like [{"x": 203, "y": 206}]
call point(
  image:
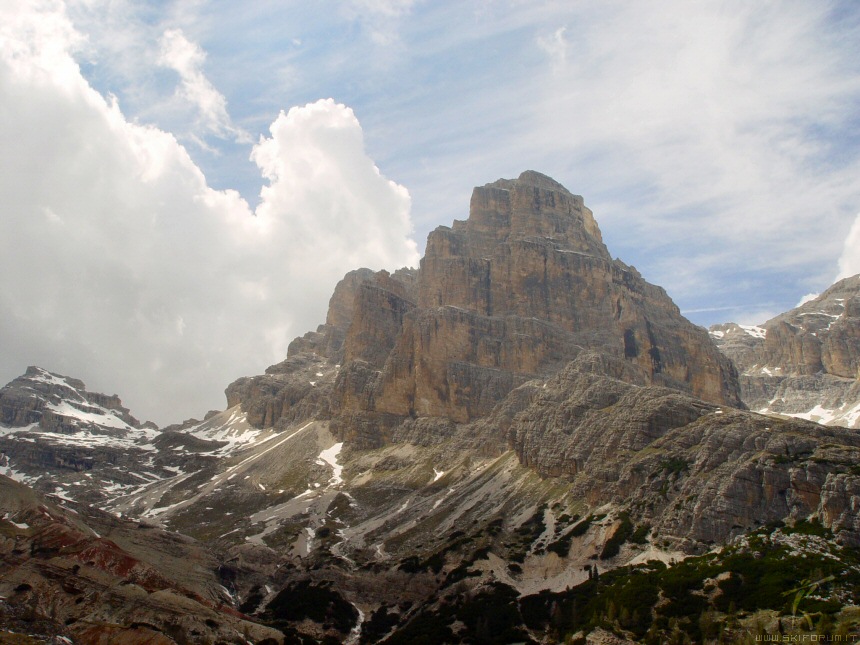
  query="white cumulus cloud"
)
[{"x": 121, "y": 266}]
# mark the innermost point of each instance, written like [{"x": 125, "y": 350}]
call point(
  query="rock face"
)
[
  {"x": 805, "y": 362},
  {"x": 301, "y": 386},
  {"x": 513, "y": 293},
  {"x": 56, "y": 431}
]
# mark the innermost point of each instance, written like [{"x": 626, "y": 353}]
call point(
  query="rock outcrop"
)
[
  {"x": 59, "y": 437},
  {"x": 515, "y": 292},
  {"x": 805, "y": 362},
  {"x": 301, "y": 385},
  {"x": 61, "y": 404}
]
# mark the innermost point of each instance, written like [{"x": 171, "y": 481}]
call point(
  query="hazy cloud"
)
[
  {"x": 187, "y": 58},
  {"x": 555, "y": 45},
  {"x": 705, "y": 133},
  {"x": 380, "y": 18}
]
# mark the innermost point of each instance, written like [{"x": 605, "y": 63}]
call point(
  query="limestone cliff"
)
[
  {"x": 805, "y": 362},
  {"x": 514, "y": 292}
]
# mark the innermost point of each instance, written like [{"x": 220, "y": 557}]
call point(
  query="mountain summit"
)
[{"x": 513, "y": 293}]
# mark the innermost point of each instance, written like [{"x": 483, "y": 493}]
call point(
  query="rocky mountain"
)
[
  {"x": 521, "y": 441},
  {"x": 74, "y": 444},
  {"x": 511, "y": 294},
  {"x": 804, "y": 363}
]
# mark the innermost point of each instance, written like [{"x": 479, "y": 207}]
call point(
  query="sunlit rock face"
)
[{"x": 516, "y": 291}]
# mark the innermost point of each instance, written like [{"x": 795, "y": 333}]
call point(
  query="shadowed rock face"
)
[{"x": 805, "y": 362}]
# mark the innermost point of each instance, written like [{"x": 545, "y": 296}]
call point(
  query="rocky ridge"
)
[{"x": 805, "y": 362}]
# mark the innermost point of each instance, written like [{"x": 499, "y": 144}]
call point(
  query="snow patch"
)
[
  {"x": 51, "y": 379},
  {"x": 236, "y": 432},
  {"x": 754, "y": 331},
  {"x": 19, "y": 477},
  {"x": 329, "y": 457},
  {"x": 818, "y": 414},
  {"x": 97, "y": 415}
]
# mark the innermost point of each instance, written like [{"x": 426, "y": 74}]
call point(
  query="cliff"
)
[{"x": 514, "y": 292}]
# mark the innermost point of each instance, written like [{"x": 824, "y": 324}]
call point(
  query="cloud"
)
[
  {"x": 380, "y": 18},
  {"x": 121, "y": 266},
  {"x": 849, "y": 262},
  {"x": 555, "y": 45},
  {"x": 322, "y": 180},
  {"x": 187, "y": 58}
]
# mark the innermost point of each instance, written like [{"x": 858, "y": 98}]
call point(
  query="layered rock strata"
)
[
  {"x": 94, "y": 578},
  {"x": 517, "y": 291}
]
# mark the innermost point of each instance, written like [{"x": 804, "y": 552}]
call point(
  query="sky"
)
[{"x": 182, "y": 183}]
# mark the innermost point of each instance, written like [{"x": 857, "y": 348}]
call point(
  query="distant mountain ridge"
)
[{"x": 804, "y": 363}]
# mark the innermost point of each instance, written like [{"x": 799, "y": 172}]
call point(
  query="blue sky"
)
[{"x": 716, "y": 143}]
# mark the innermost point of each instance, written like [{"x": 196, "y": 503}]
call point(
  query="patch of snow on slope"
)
[
  {"x": 852, "y": 416},
  {"x": 20, "y": 477},
  {"x": 236, "y": 432},
  {"x": 51, "y": 379},
  {"x": 5, "y": 430},
  {"x": 90, "y": 440},
  {"x": 818, "y": 414},
  {"x": 330, "y": 457},
  {"x": 754, "y": 331},
  {"x": 101, "y": 416}
]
